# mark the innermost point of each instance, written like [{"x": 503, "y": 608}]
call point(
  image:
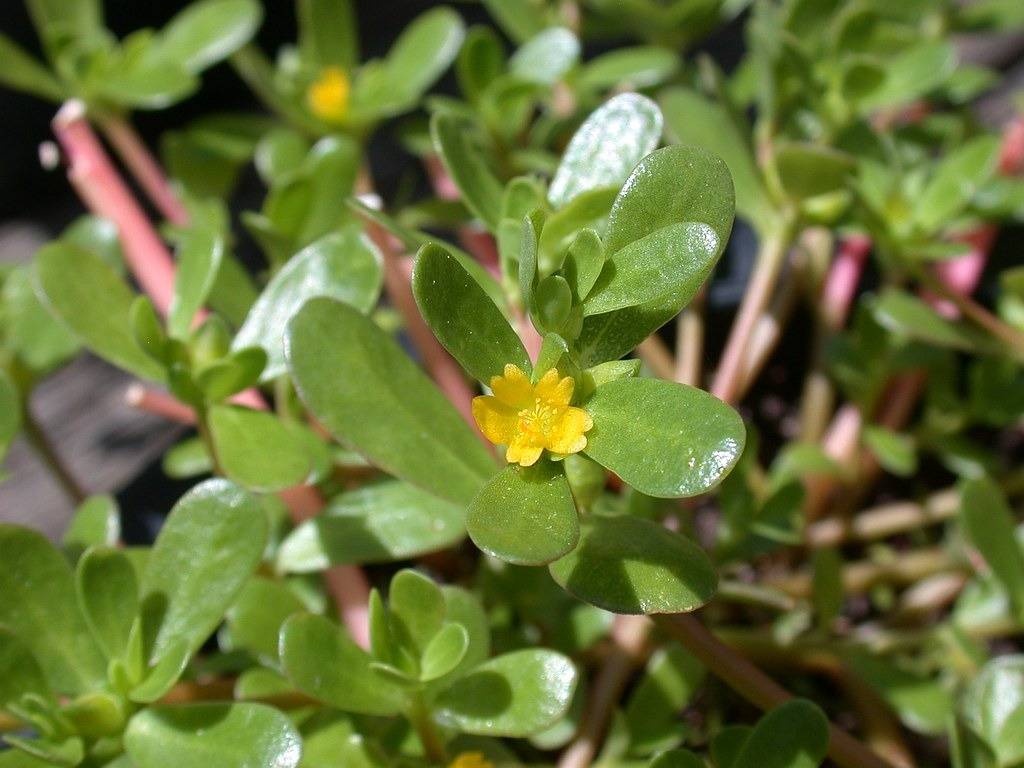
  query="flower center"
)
[{"x": 540, "y": 419}]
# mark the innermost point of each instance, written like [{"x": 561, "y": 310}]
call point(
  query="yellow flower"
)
[
  {"x": 531, "y": 417},
  {"x": 328, "y": 95},
  {"x": 471, "y": 760}
]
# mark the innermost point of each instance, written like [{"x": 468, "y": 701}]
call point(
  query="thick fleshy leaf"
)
[
  {"x": 39, "y": 607},
  {"x": 162, "y": 676},
  {"x": 209, "y": 31},
  {"x": 691, "y": 118},
  {"x": 989, "y": 525},
  {"x": 632, "y": 565},
  {"x": 993, "y": 707},
  {"x": 96, "y": 521},
  {"x": 199, "y": 260},
  {"x": 238, "y": 735},
  {"x": 808, "y": 170},
  {"x": 382, "y": 522},
  {"x": 143, "y": 77},
  {"x": 671, "y": 680},
  {"x": 637, "y": 67},
  {"x": 525, "y": 515},
  {"x": 956, "y": 180},
  {"x": 923, "y": 702},
  {"x": 909, "y": 316},
  {"x": 328, "y": 33},
  {"x": 546, "y": 56},
  {"x": 669, "y": 186},
  {"x": 254, "y": 620},
  {"x": 24, "y": 73},
  {"x": 343, "y": 265},
  {"x": 517, "y": 694},
  {"x": 793, "y": 735},
  {"x": 914, "y": 72},
  {"x": 674, "y": 260},
  {"x": 108, "y": 593},
  {"x": 464, "y": 160},
  {"x": 444, "y": 652},
  {"x": 31, "y": 332},
  {"x": 325, "y": 663},
  {"x": 463, "y": 317},
  {"x": 676, "y": 758},
  {"x": 207, "y": 549},
  {"x": 89, "y": 297},
  {"x": 417, "y": 608},
  {"x": 257, "y": 450},
  {"x": 363, "y": 388},
  {"x": 10, "y": 412},
  {"x": 20, "y": 673},
  {"x": 606, "y": 148},
  {"x": 664, "y": 439}
]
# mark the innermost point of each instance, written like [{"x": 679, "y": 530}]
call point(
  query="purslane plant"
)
[{"x": 380, "y": 391}]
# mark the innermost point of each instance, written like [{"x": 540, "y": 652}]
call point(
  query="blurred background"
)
[{"x": 110, "y": 447}]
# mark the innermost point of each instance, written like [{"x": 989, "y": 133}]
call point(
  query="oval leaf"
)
[
  {"x": 664, "y": 439},
  {"x": 632, "y": 565},
  {"x": 525, "y": 515},
  {"x": 370, "y": 395},
  {"x": 257, "y": 450}
]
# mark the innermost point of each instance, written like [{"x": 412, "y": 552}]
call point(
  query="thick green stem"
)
[{"x": 420, "y": 717}]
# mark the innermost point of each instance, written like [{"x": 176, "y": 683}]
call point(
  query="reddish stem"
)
[
  {"x": 843, "y": 277},
  {"x": 105, "y": 194},
  {"x": 144, "y": 168}
]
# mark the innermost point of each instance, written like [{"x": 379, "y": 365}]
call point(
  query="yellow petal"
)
[
  {"x": 523, "y": 451},
  {"x": 567, "y": 436},
  {"x": 496, "y": 420},
  {"x": 513, "y": 388},
  {"x": 328, "y": 95},
  {"x": 554, "y": 390}
]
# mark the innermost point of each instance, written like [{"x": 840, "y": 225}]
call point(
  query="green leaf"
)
[
  {"x": 480, "y": 62},
  {"x": 808, "y": 170},
  {"x": 71, "y": 281},
  {"x": 609, "y": 144},
  {"x": 546, "y": 57},
  {"x": 519, "y": 19},
  {"x": 910, "y": 317},
  {"x": 989, "y": 525},
  {"x": 421, "y": 54},
  {"x": 664, "y": 439},
  {"x": 257, "y": 450},
  {"x": 324, "y": 662},
  {"x": 231, "y": 374},
  {"x": 32, "y": 333},
  {"x": 108, "y": 593},
  {"x": 671, "y": 680},
  {"x": 669, "y": 186},
  {"x": 209, "y": 31},
  {"x": 96, "y": 521},
  {"x": 671, "y": 262},
  {"x": 39, "y": 607},
  {"x": 525, "y": 515},
  {"x": 417, "y": 609},
  {"x": 583, "y": 263},
  {"x": 727, "y": 743},
  {"x": 993, "y": 708},
  {"x": 199, "y": 261},
  {"x": 10, "y": 412},
  {"x": 208, "y": 547},
  {"x": 463, "y": 159},
  {"x": 328, "y": 34},
  {"x": 162, "y": 676},
  {"x": 20, "y": 673},
  {"x": 924, "y": 703},
  {"x": 691, "y": 118},
  {"x": 676, "y": 758},
  {"x": 444, "y": 652},
  {"x": 144, "y": 78},
  {"x": 463, "y": 317},
  {"x": 956, "y": 181},
  {"x": 238, "y": 735},
  {"x": 895, "y": 452},
  {"x": 23, "y": 73},
  {"x": 254, "y": 620},
  {"x": 631, "y": 565},
  {"x": 517, "y": 694},
  {"x": 382, "y": 522},
  {"x": 914, "y": 72},
  {"x": 383, "y": 405},
  {"x": 636, "y": 67},
  {"x": 343, "y": 265},
  {"x": 793, "y": 735}
]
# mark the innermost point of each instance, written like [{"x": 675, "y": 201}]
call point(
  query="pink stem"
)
[
  {"x": 144, "y": 168},
  {"x": 105, "y": 194},
  {"x": 843, "y": 277},
  {"x": 152, "y": 401}
]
